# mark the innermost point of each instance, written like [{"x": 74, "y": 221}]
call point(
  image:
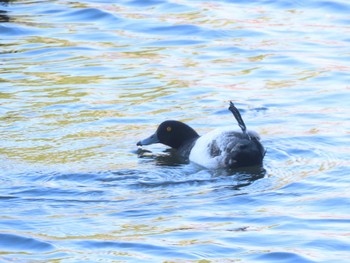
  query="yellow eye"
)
[{"x": 168, "y": 129}]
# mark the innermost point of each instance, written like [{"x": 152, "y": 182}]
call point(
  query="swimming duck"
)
[{"x": 216, "y": 149}]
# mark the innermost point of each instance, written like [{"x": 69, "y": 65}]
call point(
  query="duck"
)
[{"x": 220, "y": 148}]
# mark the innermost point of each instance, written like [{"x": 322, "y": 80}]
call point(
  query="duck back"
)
[{"x": 228, "y": 149}]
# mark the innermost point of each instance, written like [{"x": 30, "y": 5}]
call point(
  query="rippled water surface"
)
[{"x": 83, "y": 81}]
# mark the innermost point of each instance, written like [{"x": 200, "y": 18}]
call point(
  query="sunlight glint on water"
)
[{"x": 82, "y": 82}]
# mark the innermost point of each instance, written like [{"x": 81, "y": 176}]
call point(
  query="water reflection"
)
[
  {"x": 246, "y": 176},
  {"x": 5, "y": 2},
  {"x": 81, "y": 80},
  {"x": 4, "y": 14},
  {"x": 190, "y": 172},
  {"x": 168, "y": 157}
]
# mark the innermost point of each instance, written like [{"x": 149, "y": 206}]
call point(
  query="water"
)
[{"x": 83, "y": 81}]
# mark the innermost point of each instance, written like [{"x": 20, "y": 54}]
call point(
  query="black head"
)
[
  {"x": 175, "y": 133},
  {"x": 171, "y": 133}
]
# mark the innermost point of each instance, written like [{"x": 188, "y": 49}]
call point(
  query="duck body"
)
[
  {"x": 227, "y": 149},
  {"x": 220, "y": 148}
]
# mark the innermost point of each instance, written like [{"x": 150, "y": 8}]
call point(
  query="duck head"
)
[{"x": 171, "y": 133}]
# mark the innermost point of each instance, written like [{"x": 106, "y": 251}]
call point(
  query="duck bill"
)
[{"x": 150, "y": 140}]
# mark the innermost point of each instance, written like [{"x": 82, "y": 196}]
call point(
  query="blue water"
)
[{"x": 81, "y": 82}]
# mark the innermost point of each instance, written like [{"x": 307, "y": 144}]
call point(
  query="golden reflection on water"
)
[
  {"x": 67, "y": 104},
  {"x": 80, "y": 89}
]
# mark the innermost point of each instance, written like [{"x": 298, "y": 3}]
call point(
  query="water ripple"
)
[
  {"x": 13, "y": 242},
  {"x": 83, "y": 81}
]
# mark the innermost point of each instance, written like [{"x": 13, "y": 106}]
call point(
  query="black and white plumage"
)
[{"x": 216, "y": 149}]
